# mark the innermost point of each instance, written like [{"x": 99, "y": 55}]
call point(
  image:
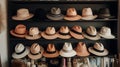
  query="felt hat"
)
[
  {"x": 20, "y": 51},
  {"x": 72, "y": 15},
  {"x": 20, "y": 31},
  {"x": 22, "y": 14},
  {"x": 87, "y": 14}
]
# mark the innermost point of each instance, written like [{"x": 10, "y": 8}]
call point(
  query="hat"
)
[
  {"x": 98, "y": 49},
  {"x": 18, "y": 63},
  {"x": 36, "y": 51},
  {"x": 49, "y": 33},
  {"x": 63, "y": 33},
  {"x": 20, "y": 51},
  {"x": 55, "y": 14},
  {"x": 76, "y": 32},
  {"x": 51, "y": 51},
  {"x": 87, "y": 14},
  {"x": 81, "y": 49},
  {"x": 67, "y": 50},
  {"x": 105, "y": 13},
  {"x": 91, "y": 33},
  {"x": 22, "y": 14},
  {"x": 20, "y": 31},
  {"x": 72, "y": 15},
  {"x": 105, "y": 32},
  {"x": 33, "y": 34}
]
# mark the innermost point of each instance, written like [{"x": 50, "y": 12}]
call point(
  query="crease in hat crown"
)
[
  {"x": 99, "y": 46},
  {"x": 34, "y": 31},
  {"x": 81, "y": 46},
  {"x": 23, "y": 12},
  {"x": 87, "y": 12},
  {"x": 91, "y": 30},
  {"x": 51, "y": 47},
  {"x": 55, "y": 10},
  {"x": 20, "y": 29},
  {"x": 71, "y": 12},
  {"x": 50, "y": 30},
  {"x": 77, "y": 28},
  {"x": 105, "y": 31},
  {"x": 35, "y": 48},
  {"x": 19, "y": 48},
  {"x": 64, "y": 29},
  {"x": 67, "y": 46}
]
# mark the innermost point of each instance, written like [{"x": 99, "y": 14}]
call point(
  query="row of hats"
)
[
  {"x": 64, "y": 33},
  {"x": 71, "y": 15},
  {"x": 36, "y": 51}
]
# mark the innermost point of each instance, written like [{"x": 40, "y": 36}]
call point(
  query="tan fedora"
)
[
  {"x": 49, "y": 33},
  {"x": 22, "y": 14},
  {"x": 20, "y": 31},
  {"x": 72, "y": 15},
  {"x": 87, "y": 14},
  {"x": 64, "y": 32},
  {"x": 81, "y": 49},
  {"x": 51, "y": 51},
  {"x": 36, "y": 51},
  {"x": 76, "y": 32}
]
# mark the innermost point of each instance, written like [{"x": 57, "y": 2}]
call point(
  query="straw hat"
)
[
  {"x": 81, "y": 49},
  {"x": 98, "y": 49},
  {"x": 49, "y": 33},
  {"x": 20, "y": 51},
  {"x": 36, "y": 51},
  {"x": 76, "y": 32},
  {"x": 22, "y": 14},
  {"x": 72, "y": 15},
  {"x": 18, "y": 63},
  {"x": 67, "y": 50},
  {"x": 63, "y": 33},
  {"x": 87, "y": 14},
  {"x": 91, "y": 33},
  {"x": 105, "y": 32},
  {"x": 55, "y": 14},
  {"x": 33, "y": 34}
]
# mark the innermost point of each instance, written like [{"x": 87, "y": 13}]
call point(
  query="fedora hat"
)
[
  {"x": 49, "y": 33},
  {"x": 51, "y": 51},
  {"x": 87, "y": 14},
  {"x": 20, "y": 51},
  {"x": 22, "y": 14},
  {"x": 36, "y": 51},
  {"x": 67, "y": 50},
  {"x": 18, "y": 63},
  {"x": 72, "y": 15},
  {"x": 55, "y": 14},
  {"x": 76, "y": 32},
  {"x": 63, "y": 33},
  {"x": 98, "y": 49},
  {"x": 81, "y": 49},
  {"x": 33, "y": 34},
  {"x": 91, "y": 33},
  {"x": 20, "y": 31},
  {"x": 105, "y": 32}
]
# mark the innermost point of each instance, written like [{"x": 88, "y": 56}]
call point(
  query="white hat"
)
[
  {"x": 67, "y": 50},
  {"x": 20, "y": 51},
  {"x": 105, "y": 32}
]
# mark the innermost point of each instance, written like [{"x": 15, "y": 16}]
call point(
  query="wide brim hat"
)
[
  {"x": 89, "y": 17},
  {"x": 51, "y": 55},
  {"x": 63, "y": 36},
  {"x": 74, "y": 18},
  {"x": 107, "y": 36},
  {"x": 76, "y": 36},
  {"x": 30, "y": 37}
]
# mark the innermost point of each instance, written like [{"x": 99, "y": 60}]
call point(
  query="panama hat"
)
[
  {"x": 91, "y": 33},
  {"x": 72, "y": 15},
  {"x": 51, "y": 52},
  {"x": 20, "y": 31},
  {"x": 98, "y": 49},
  {"x": 33, "y": 34},
  {"x": 105, "y": 32},
  {"x": 49, "y": 33},
  {"x": 67, "y": 50},
  {"x": 63, "y": 33},
  {"x": 20, "y": 51},
  {"x": 87, "y": 14},
  {"x": 36, "y": 51},
  {"x": 55, "y": 14},
  {"x": 76, "y": 32},
  {"x": 22, "y": 14}
]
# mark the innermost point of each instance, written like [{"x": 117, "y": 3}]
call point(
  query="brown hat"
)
[
  {"x": 72, "y": 15},
  {"x": 51, "y": 51},
  {"x": 18, "y": 63},
  {"x": 81, "y": 49},
  {"x": 20, "y": 31},
  {"x": 76, "y": 32}
]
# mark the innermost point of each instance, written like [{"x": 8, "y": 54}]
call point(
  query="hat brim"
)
[
  {"x": 91, "y": 50},
  {"x": 103, "y": 17},
  {"x": 89, "y": 17},
  {"x": 107, "y": 36},
  {"x": 25, "y": 18},
  {"x": 67, "y": 54},
  {"x": 74, "y": 18},
  {"x": 55, "y": 17},
  {"x": 29, "y": 37},
  {"x": 53, "y": 55},
  {"x": 76, "y": 36}
]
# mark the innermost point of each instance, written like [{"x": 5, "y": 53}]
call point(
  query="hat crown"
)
[
  {"x": 81, "y": 47},
  {"x": 87, "y": 12},
  {"x": 20, "y": 29},
  {"x": 51, "y": 47},
  {"x": 104, "y": 11},
  {"x": 77, "y": 28},
  {"x": 35, "y": 48},
  {"x": 50, "y": 30},
  {"x": 19, "y": 48},
  {"x": 105, "y": 31},
  {"x": 67, "y": 46},
  {"x": 99, "y": 46},
  {"x": 71, "y": 12},
  {"x": 55, "y": 10},
  {"x": 64, "y": 29},
  {"x": 91, "y": 30},
  {"x": 23, "y": 12},
  {"x": 34, "y": 31}
]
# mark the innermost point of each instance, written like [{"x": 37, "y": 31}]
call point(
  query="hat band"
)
[
  {"x": 64, "y": 33},
  {"x": 49, "y": 34},
  {"x": 66, "y": 50},
  {"x": 17, "y": 33},
  {"x": 50, "y": 52},
  {"x": 76, "y": 32},
  {"x": 35, "y": 53},
  {"x": 55, "y": 15},
  {"x": 71, "y": 15},
  {"x": 98, "y": 50},
  {"x": 91, "y": 35},
  {"x": 21, "y": 52}
]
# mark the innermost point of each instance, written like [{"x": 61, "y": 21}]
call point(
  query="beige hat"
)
[
  {"x": 49, "y": 33},
  {"x": 63, "y": 33},
  {"x": 87, "y": 14},
  {"x": 22, "y": 14},
  {"x": 36, "y": 51},
  {"x": 72, "y": 15}
]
